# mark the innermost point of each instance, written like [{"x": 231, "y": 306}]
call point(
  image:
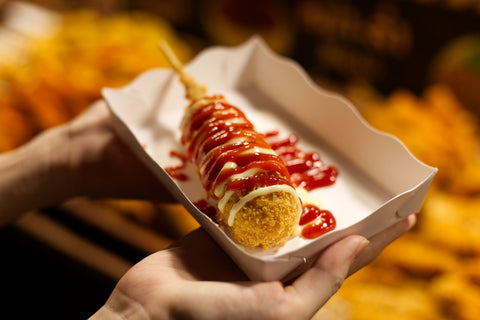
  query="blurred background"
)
[{"x": 411, "y": 67}]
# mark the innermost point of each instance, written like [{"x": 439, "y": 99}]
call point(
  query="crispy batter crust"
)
[{"x": 266, "y": 221}]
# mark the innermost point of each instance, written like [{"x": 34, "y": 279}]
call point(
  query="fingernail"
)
[{"x": 361, "y": 246}]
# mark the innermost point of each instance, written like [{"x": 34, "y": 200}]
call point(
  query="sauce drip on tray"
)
[
  {"x": 316, "y": 222},
  {"x": 306, "y": 169},
  {"x": 177, "y": 171}
]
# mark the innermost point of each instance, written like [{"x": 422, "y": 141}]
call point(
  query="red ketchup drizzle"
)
[
  {"x": 176, "y": 172},
  {"x": 207, "y": 209},
  {"x": 306, "y": 168},
  {"x": 213, "y": 125},
  {"x": 316, "y": 222}
]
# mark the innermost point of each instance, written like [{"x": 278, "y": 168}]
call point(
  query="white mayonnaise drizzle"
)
[
  {"x": 259, "y": 150},
  {"x": 207, "y": 157},
  {"x": 197, "y": 105},
  {"x": 260, "y": 192},
  {"x": 220, "y": 189}
]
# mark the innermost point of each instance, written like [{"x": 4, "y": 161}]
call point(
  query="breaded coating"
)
[{"x": 266, "y": 221}]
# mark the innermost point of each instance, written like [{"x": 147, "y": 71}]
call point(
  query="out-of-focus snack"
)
[
  {"x": 458, "y": 218},
  {"x": 374, "y": 301},
  {"x": 457, "y": 297},
  {"x": 422, "y": 259},
  {"x": 437, "y": 129},
  {"x": 51, "y": 79},
  {"x": 15, "y": 126},
  {"x": 432, "y": 272}
]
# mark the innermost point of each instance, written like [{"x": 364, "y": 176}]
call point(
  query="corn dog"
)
[{"x": 255, "y": 200}]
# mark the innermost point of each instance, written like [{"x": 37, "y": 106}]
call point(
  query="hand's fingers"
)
[
  {"x": 326, "y": 276},
  {"x": 379, "y": 241}
]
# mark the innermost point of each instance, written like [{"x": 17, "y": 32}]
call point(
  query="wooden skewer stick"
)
[{"x": 193, "y": 89}]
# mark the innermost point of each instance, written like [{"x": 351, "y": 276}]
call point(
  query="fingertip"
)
[
  {"x": 411, "y": 220},
  {"x": 406, "y": 224},
  {"x": 346, "y": 250},
  {"x": 361, "y": 245}
]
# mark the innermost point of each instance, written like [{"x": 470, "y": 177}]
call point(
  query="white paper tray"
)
[{"x": 379, "y": 180}]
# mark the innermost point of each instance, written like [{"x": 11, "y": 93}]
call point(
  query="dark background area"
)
[{"x": 38, "y": 282}]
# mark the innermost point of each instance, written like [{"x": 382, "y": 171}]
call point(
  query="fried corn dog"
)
[{"x": 255, "y": 201}]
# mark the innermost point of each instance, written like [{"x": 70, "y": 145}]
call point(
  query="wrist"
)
[{"x": 34, "y": 175}]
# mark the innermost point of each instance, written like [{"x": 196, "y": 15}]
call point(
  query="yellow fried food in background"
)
[
  {"x": 432, "y": 272},
  {"x": 437, "y": 129},
  {"x": 55, "y": 78}
]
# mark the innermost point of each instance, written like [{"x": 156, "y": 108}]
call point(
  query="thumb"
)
[{"x": 327, "y": 274}]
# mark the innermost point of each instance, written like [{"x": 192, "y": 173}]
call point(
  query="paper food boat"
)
[{"x": 379, "y": 180}]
